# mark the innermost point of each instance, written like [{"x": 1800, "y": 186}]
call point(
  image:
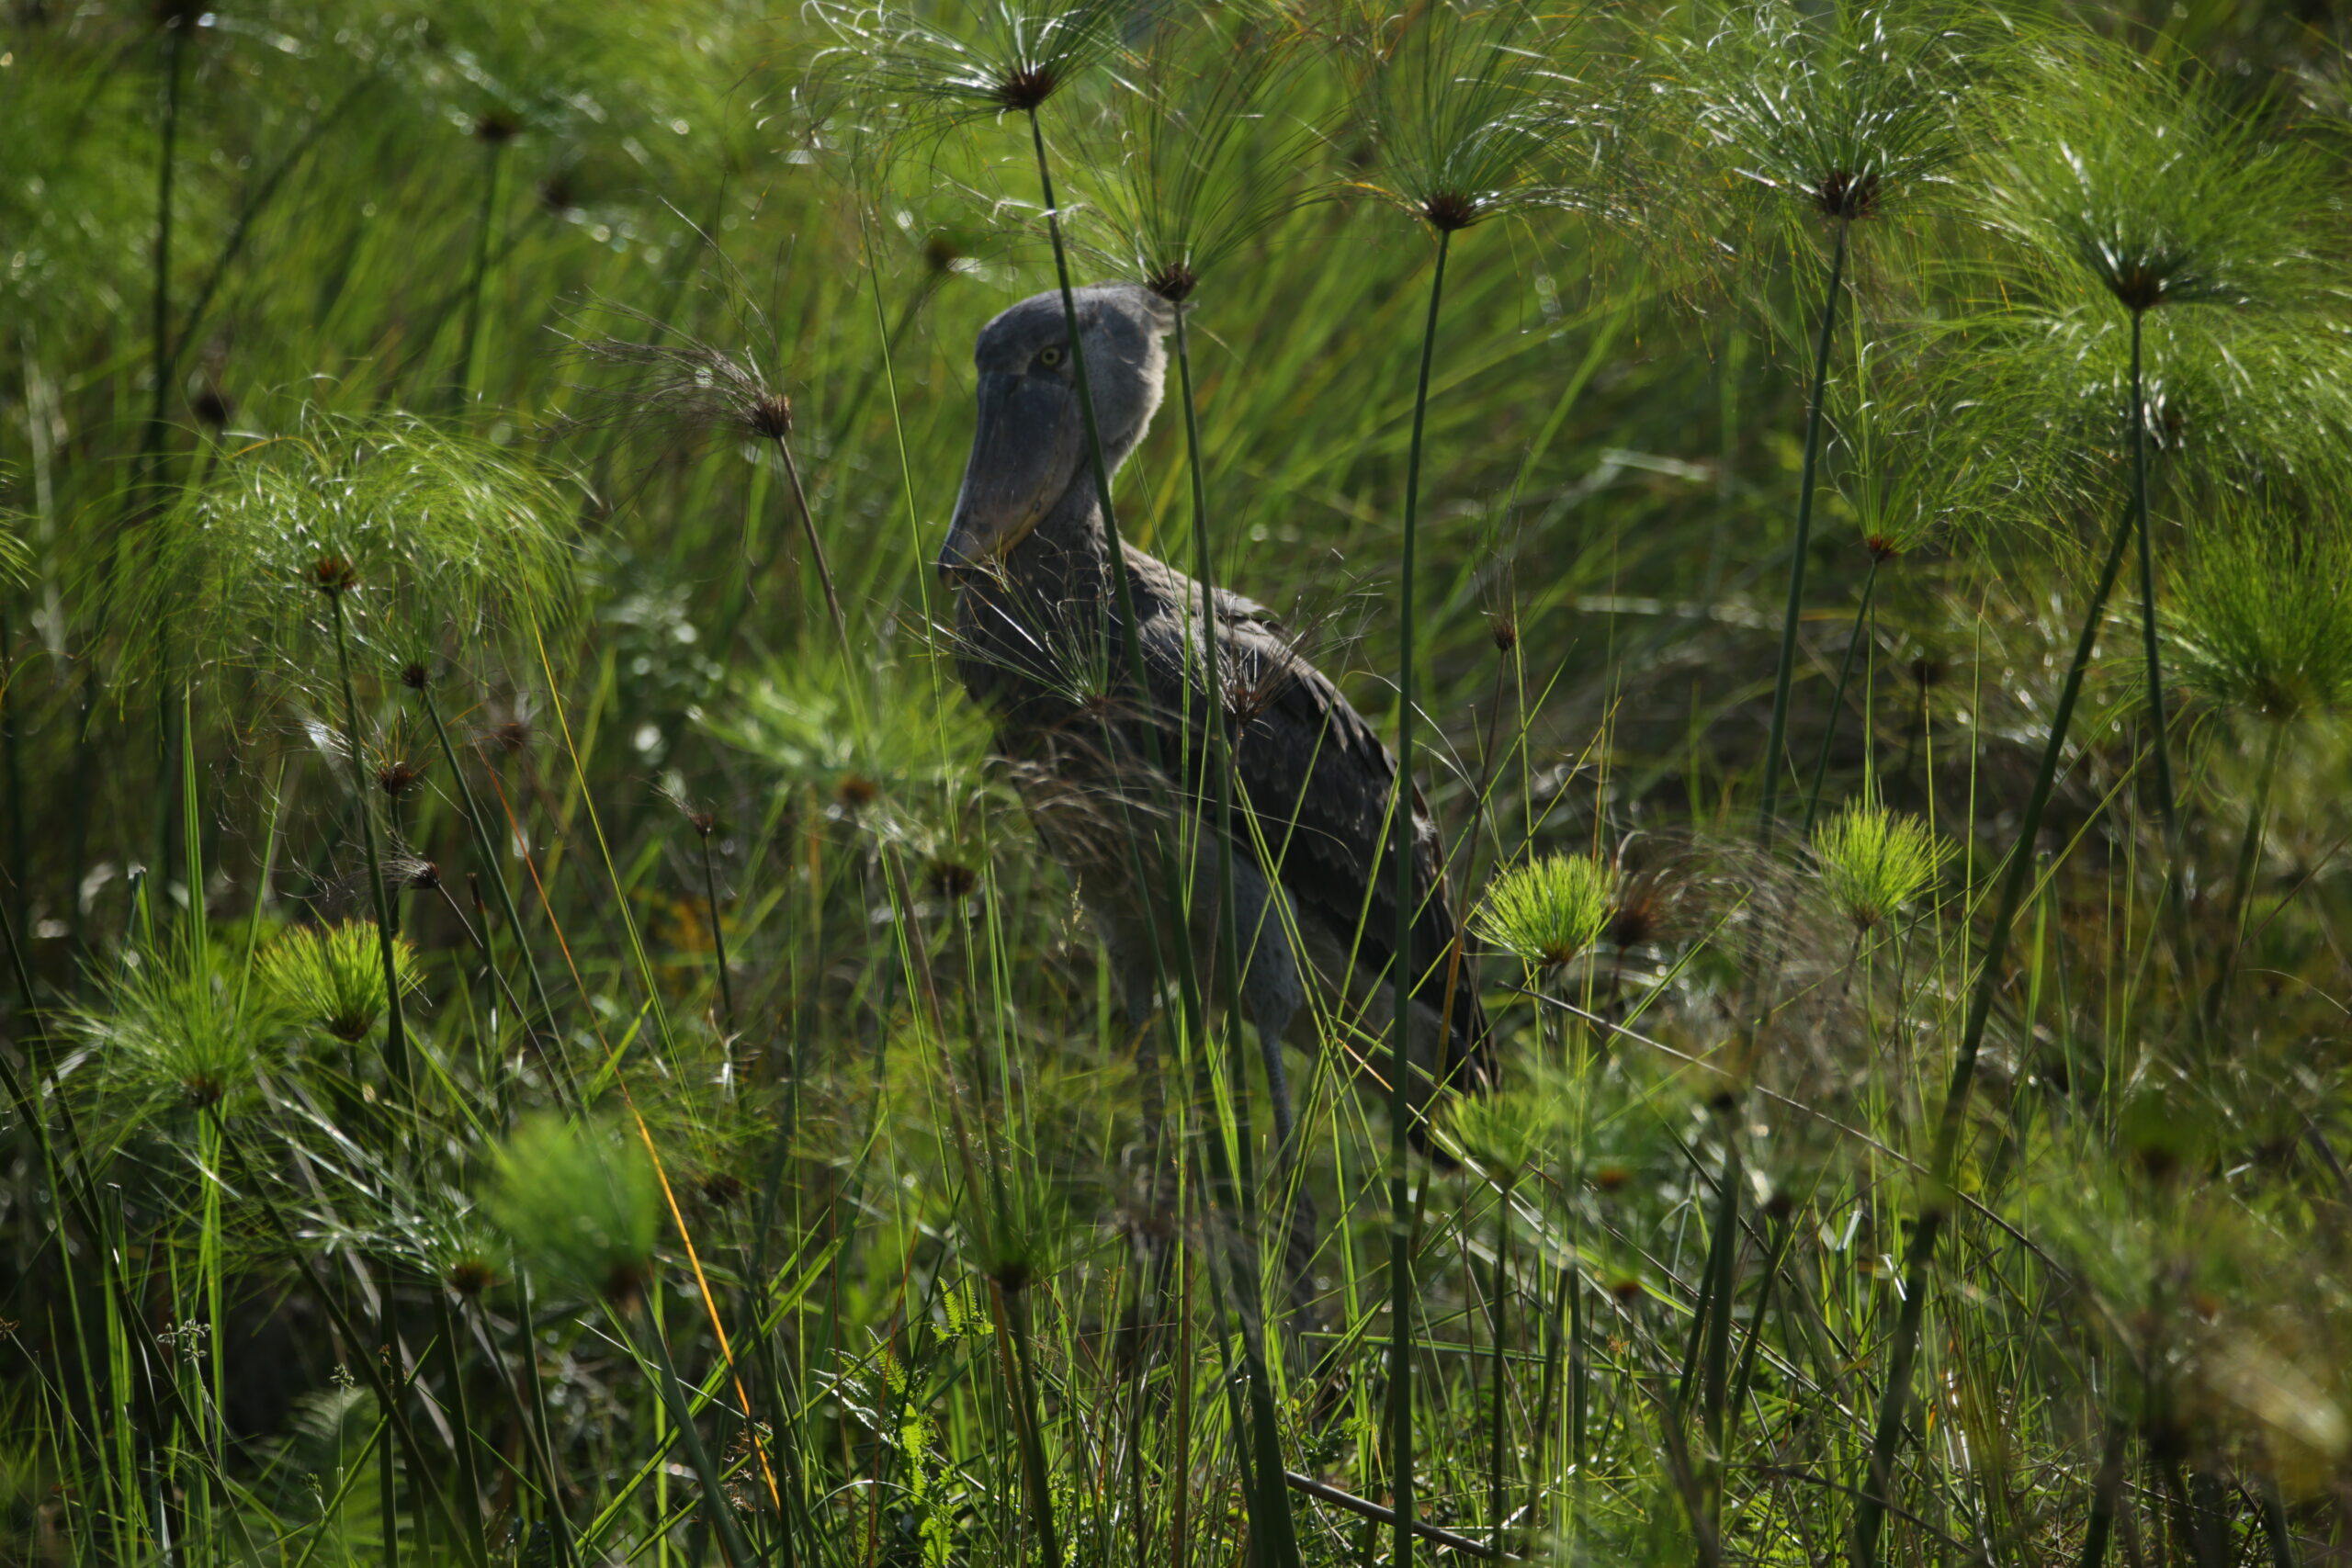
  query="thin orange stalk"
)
[{"x": 612, "y": 1063}]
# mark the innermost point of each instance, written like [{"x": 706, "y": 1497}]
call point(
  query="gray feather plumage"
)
[{"x": 1038, "y": 644}]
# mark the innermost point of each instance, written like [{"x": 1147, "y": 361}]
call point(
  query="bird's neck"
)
[
  {"x": 1024, "y": 629},
  {"x": 1070, "y": 546}
]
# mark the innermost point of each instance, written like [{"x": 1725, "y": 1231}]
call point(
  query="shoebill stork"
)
[{"x": 1039, "y": 646}]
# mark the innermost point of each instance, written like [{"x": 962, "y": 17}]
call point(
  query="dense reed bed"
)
[{"x": 538, "y": 1030}]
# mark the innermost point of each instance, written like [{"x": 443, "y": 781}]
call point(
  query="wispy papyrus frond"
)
[
  {"x": 2262, "y": 607},
  {"x": 1199, "y": 160},
  {"x": 969, "y": 58},
  {"x": 429, "y": 535},
  {"x": 1845, "y": 111},
  {"x": 1475, "y": 114},
  {"x": 2154, "y": 189}
]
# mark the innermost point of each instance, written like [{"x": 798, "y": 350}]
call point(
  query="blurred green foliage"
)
[{"x": 911, "y": 1205}]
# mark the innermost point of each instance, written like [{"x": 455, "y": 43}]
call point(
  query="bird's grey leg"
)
[
  {"x": 1141, "y": 998},
  {"x": 1139, "y": 1001},
  {"x": 1143, "y": 1324},
  {"x": 1272, "y": 992},
  {"x": 1273, "y": 1022}
]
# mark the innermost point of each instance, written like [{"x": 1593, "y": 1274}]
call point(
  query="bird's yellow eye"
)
[{"x": 1049, "y": 357}]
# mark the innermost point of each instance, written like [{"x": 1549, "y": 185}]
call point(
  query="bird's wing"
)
[{"x": 1313, "y": 783}]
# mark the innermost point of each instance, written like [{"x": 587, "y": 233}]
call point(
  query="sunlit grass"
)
[{"x": 772, "y": 1173}]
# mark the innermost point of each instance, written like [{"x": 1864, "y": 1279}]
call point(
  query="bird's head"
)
[{"x": 1029, "y": 446}]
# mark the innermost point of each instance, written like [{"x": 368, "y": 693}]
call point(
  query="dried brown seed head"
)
[
  {"x": 1450, "y": 211},
  {"x": 1843, "y": 194},
  {"x": 770, "y": 417},
  {"x": 721, "y": 1189},
  {"x": 624, "y": 1285},
  {"x": 399, "y": 779},
  {"x": 2138, "y": 288},
  {"x": 1637, "y": 916},
  {"x": 508, "y": 739},
  {"x": 1172, "y": 281},
  {"x": 1026, "y": 87},
  {"x": 942, "y": 250},
  {"x": 951, "y": 878},
  {"x": 469, "y": 1277}
]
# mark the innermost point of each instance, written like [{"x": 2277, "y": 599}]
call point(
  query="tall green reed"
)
[
  {"x": 1197, "y": 167},
  {"x": 1020, "y": 56},
  {"x": 178, "y": 22},
  {"x": 1936, "y": 1196},
  {"x": 680, "y": 381},
  {"x": 2135, "y": 186},
  {"x": 335, "y": 578},
  {"x": 1192, "y": 179},
  {"x": 2153, "y": 194},
  {"x": 1547, "y": 913},
  {"x": 1191, "y": 172},
  {"x": 495, "y": 129},
  {"x": 2263, "y": 628},
  {"x": 845, "y": 992},
  {"x": 443, "y": 534},
  {"x": 1474, "y": 117},
  {"x": 1845, "y": 114}
]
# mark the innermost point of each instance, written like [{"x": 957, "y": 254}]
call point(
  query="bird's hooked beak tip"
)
[
  {"x": 965, "y": 555},
  {"x": 960, "y": 564},
  {"x": 956, "y": 561}
]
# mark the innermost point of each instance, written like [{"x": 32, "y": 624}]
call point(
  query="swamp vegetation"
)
[{"x": 538, "y": 1031}]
